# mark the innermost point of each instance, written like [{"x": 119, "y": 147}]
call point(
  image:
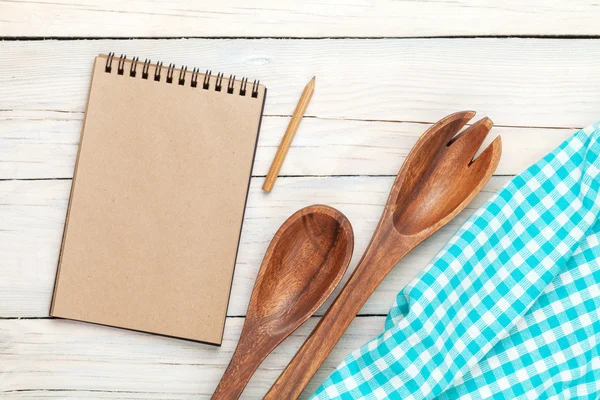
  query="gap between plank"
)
[
  {"x": 41, "y": 38},
  {"x": 229, "y": 316},
  {"x": 253, "y": 176},
  {"x": 392, "y": 121},
  {"x": 84, "y": 390}
]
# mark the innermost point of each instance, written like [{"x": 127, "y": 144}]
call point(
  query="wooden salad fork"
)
[{"x": 438, "y": 179}]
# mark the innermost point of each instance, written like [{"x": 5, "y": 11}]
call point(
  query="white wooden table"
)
[{"x": 385, "y": 71}]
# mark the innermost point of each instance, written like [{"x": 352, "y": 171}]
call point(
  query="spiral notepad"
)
[{"x": 158, "y": 198}]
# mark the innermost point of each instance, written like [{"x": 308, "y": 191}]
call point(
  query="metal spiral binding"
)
[
  {"x": 206, "y": 84},
  {"x": 243, "y": 86},
  {"x": 133, "y": 69},
  {"x": 170, "y": 73},
  {"x": 120, "y": 68},
  {"x": 182, "y": 73},
  {"x": 157, "y": 71},
  {"x": 255, "y": 88},
  {"x": 219, "y": 82},
  {"x": 231, "y": 84}
]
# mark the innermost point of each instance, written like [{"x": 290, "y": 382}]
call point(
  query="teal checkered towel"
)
[{"x": 510, "y": 308}]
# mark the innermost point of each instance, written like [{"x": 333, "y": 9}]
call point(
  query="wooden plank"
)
[
  {"x": 33, "y": 215},
  {"x": 66, "y": 359},
  {"x": 516, "y": 82},
  {"x": 286, "y": 18},
  {"x": 44, "y": 145}
]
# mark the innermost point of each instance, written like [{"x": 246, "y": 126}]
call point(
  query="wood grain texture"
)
[
  {"x": 74, "y": 360},
  {"x": 516, "y": 82},
  {"x": 375, "y": 97},
  {"x": 39, "y": 144},
  {"x": 286, "y": 18},
  {"x": 437, "y": 181},
  {"x": 33, "y": 214},
  {"x": 305, "y": 261}
]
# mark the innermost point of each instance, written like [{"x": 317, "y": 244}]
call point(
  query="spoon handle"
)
[
  {"x": 244, "y": 362},
  {"x": 377, "y": 261}
]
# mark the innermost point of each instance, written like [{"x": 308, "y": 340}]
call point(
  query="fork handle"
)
[{"x": 371, "y": 270}]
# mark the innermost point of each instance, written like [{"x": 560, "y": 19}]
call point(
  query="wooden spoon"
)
[
  {"x": 303, "y": 264},
  {"x": 438, "y": 179}
]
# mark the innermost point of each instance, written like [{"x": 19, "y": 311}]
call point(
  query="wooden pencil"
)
[{"x": 290, "y": 132}]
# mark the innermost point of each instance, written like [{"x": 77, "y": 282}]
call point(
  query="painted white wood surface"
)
[
  {"x": 71, "y": 360},
  {"x": 287, "y": 18},
  {"x": 373, "y": 98},
  {"x": 516, "y": 82}
]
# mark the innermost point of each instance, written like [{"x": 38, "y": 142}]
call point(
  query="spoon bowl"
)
[
  {"x": 444, "y": 178},
  {"x": 316, "y": 244},
  {"x": 305, "y": 261}
]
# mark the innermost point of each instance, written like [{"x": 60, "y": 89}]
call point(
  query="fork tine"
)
[
  {"x": 489, "y": 158},
  {"x": 466, "y": 143},
  {"x": 436, "y": 138},
  {"x": 445, "y": 129}
]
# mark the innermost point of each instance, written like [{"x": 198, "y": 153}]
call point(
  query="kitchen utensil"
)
[
  {"x": 303, "y": 264},
  {"x": 438, "y": 179}
]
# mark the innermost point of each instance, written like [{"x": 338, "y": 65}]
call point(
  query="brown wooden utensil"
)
[
  {"x": 438, "y": 179},
  {"x": 303, "y": 264}
]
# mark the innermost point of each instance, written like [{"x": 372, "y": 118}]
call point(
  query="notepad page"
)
[{"x": 157, "y": 203}]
